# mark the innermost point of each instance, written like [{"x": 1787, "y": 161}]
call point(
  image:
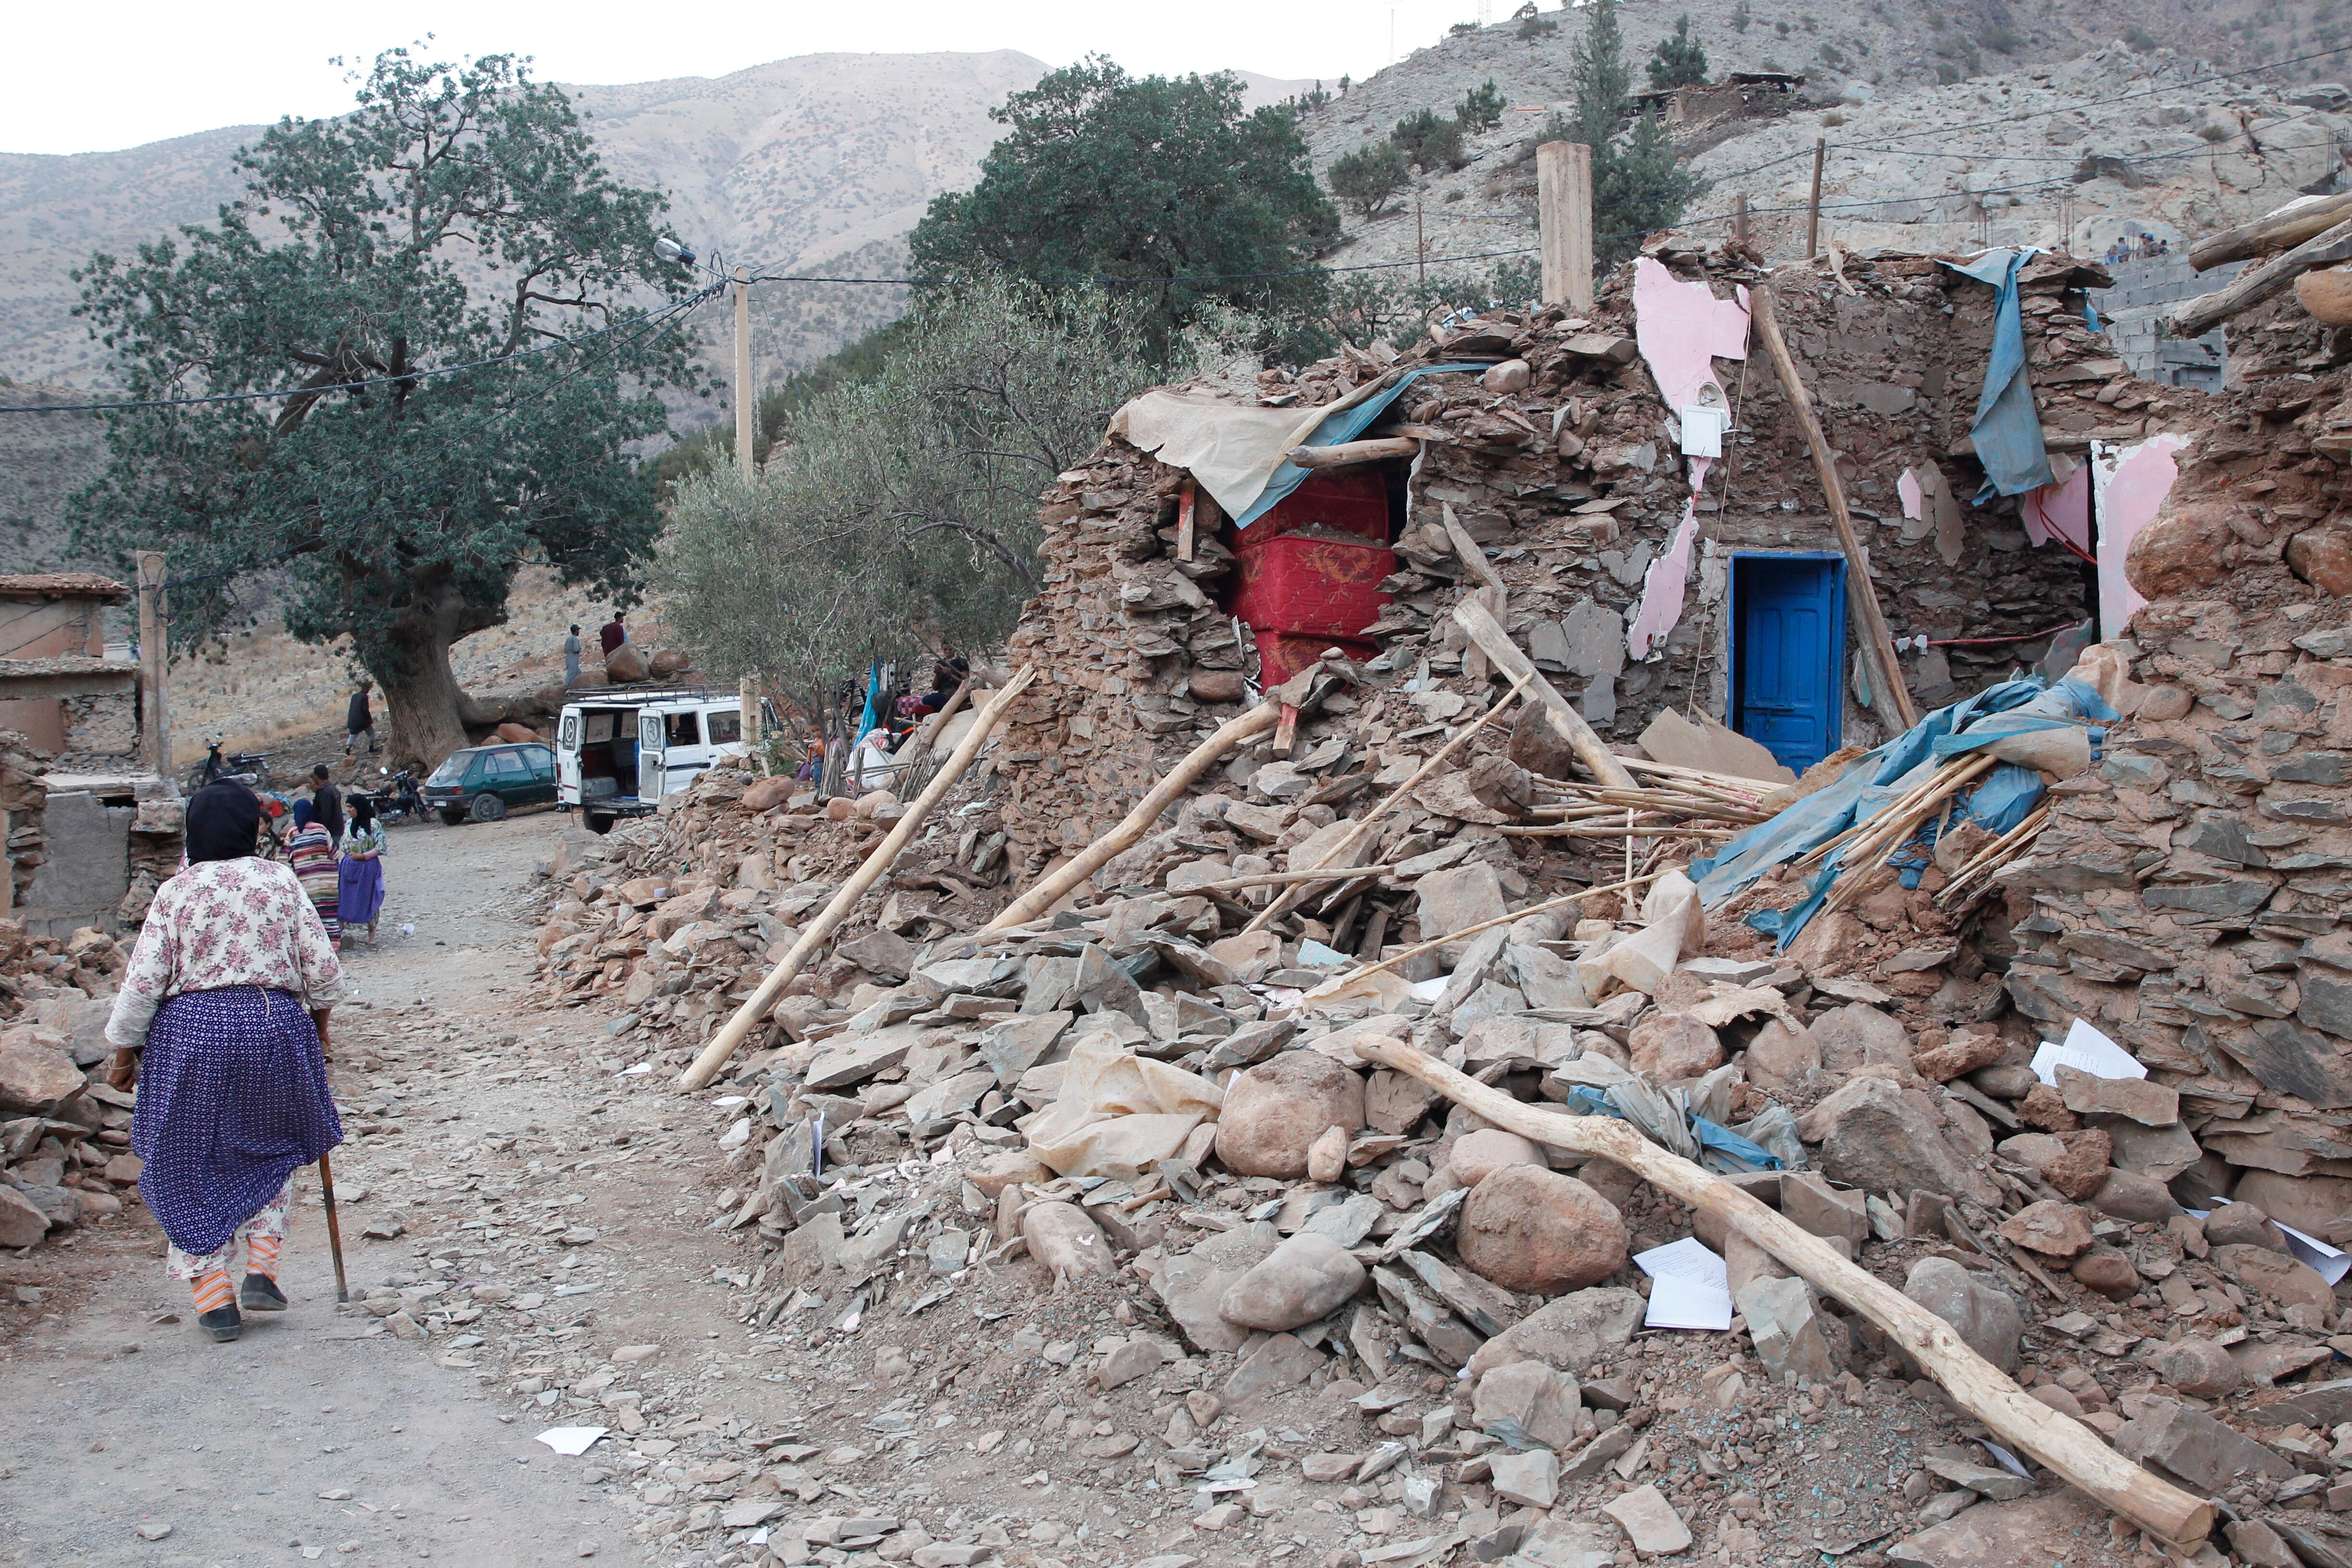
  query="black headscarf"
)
[{"x": 224, "y": 820}]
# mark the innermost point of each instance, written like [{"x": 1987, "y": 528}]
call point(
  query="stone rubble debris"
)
[{"x": 1313, "y": 1284}]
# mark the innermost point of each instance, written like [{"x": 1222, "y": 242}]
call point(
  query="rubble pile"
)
[
  {"x": 65, "y": 1132},
  {"x": 1334, "y": 1293},
  {"x": 676, "y": 917}
]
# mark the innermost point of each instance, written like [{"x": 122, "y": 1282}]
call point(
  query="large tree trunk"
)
[{"x": 429, "y": 710}]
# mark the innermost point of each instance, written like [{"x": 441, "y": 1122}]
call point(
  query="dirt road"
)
[
  {"x": 538, "y": 1238},
  {"x": 320, "y": 1435}
]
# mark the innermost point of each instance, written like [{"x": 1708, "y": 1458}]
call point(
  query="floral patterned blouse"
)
[{"x": 220, "y": 924}]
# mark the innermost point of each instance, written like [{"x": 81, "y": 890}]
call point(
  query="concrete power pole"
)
[
  {"x": 154, "y": 663},
  {"x": 1564, "y": 222},
  {"x": 744, "y": 396}
]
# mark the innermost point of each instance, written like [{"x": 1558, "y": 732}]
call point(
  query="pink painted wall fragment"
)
[
  {"x": 2060, "y": 512},
  {"x": 1908, "y": 487},
  {"x": 2129, "y": 484},
  {"x": 1663, "y": 586},
  {"x": 1682, "y": 330}
]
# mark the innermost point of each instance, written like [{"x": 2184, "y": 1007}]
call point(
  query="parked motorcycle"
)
[
  {"x": 397, "y": 797},
  {"x": 250, "y": 769}
]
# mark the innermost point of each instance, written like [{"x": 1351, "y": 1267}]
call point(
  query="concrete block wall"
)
[{"x": 2132, "y": 311}]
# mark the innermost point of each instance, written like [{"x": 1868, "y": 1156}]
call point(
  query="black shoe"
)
[
  {"x": 221, "y": 1322},
  {"x": 260, "y": 1294}
]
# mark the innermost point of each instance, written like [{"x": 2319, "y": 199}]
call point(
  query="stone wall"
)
[
  {"x": 102, "y": 733},
  {"x": 2144, "y": 290},
  {"x": 2189, "y": 896},
  {"x": 1573, "y": 484}
]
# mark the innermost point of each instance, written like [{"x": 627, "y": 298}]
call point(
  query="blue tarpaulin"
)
[
  {"x": 2008, "y": 429},
  {"x": 1345, "y": 425},
  {"x": 2002, "y": 719}
]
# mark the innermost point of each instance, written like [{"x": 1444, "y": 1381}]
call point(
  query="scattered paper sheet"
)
[
  {"x": 1689, "y": 1287},
  {"x": 2325, "y": 1261},
  {"x": 634, "y": 1071},
  {"x": 571, "y": 1441},
  {"x": 1429, "y": 990},
  {"x": 2089, "y": 1051}
]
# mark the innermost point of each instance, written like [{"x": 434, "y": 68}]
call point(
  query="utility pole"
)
[
  {"x": 743, "y": 393},
  {"x": 1564, "y": 222},
  {"x": 1813, "y": 203},
  {"x": 154, "y": 665},
  {"x": 1419, "y": 246}
]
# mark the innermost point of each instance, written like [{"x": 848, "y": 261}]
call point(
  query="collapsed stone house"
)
[
  {"x": 1576, "y": 485},
  {"x": 2187, "y": 894}
]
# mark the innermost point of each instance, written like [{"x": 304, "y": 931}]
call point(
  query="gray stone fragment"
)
[{"x": 1980, "y": 1310}]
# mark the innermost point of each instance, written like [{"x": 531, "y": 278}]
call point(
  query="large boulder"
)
[
  {"x": 1782, "y": 1059},
  {"x": 33, "y": 1074},
  {"x": 1981, "y": 1312},
  {"x": 1577, "y": 1333},
  {"x": 1306, "y": 1278},
  {"x": 1478, "y": 1155},
  {"x": 625, "y": 665},
  {"x": 1274, "y": 1112},
  {"x": 1877, "y": 1135},
  {"x": 1066, "y": 1240},
  {"x": 1538, "y": 1230},
  {"x": 1670, "y": 1047},
  {"x": 1858, "y": 1034}
]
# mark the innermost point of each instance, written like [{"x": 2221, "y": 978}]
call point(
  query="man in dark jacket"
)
[
  {"x": 358, "y": 721},
  {"x": 327, "y": 800},
  {"x": 611, "y": 633}
]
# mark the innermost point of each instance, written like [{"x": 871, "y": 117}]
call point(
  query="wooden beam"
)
[
  {"x": 819, "y": 932},
  {"x": 2195, "y": 318},
  {"x": 2308, "y": 220},
  {"x": 154, "y": 662},
  {"x": 1564, "y": 222},
  {"x": 1349, "y": 453},
  {"x": 1892, "y": 698},
  {"x": 1495, "y": 643},
  {"x": 1813, "y": 203},
  {"x": 1137, "y": 821},
  {"x": 1187, "y": 546},
  {"x": 1341, "y": 856},
  {"x": 2071, "y": 1451}
]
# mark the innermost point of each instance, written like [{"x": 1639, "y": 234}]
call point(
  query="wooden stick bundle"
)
[
  {"x": 2071, "y": 1451},
  {"x": 819, "y": 932}
]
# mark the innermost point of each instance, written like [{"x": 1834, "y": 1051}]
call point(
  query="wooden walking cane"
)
[{"x": 334, "y": 1231}]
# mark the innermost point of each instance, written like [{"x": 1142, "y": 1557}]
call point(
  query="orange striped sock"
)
[
  {"x": 261, "y": 1256},
  {"x": 214, "y": 1291}
]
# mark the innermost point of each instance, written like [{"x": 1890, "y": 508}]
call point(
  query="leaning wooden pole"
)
[
  {"x": 2072, "y": 1451},
  {"x": 1138, "y": 822},
  {"x": 1340, "y": 854},
  {"x": 820, "y": 931},
  {"x": 1487, "y": 634},
  {"x": 1892, "y": 698}
]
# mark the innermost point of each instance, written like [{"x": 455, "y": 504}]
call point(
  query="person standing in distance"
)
[
  {"x": 571, "y": 657},
  {"x": 359, "y": 720}
]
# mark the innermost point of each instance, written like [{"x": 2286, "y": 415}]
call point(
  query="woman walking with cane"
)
[{"x": 223, "y": 1009}]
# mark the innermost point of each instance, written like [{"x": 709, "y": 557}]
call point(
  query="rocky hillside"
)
[{"x": 2110, "y": 138}]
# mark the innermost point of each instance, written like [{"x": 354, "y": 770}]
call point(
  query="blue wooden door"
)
[{"x": 1788, "y": 647}]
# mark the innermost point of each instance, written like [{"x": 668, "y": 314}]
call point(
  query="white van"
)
[{"x": 619, "y": 750}]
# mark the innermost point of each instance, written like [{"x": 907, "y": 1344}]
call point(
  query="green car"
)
[{"x": 481, "y": 782}]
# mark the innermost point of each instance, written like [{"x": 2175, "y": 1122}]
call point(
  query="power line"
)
[{"x": 690, "y": 303}]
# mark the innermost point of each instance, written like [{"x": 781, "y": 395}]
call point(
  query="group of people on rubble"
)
[
  {"x": 896, "y": 710},
  {"x": 2126, "y": 249}
]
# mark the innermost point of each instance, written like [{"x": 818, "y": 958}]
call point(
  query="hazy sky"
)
[{"x": 77, "y": 81}]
